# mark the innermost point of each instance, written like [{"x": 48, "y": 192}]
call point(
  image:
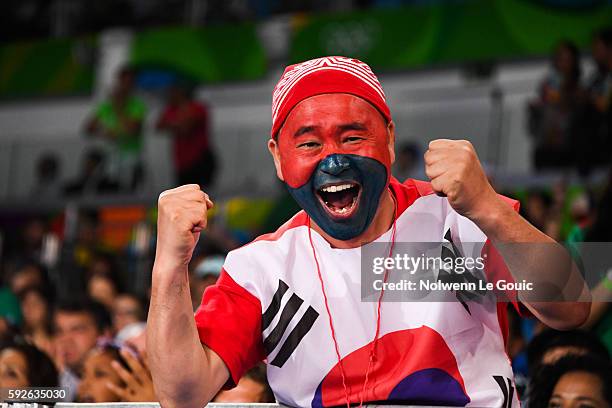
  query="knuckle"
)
[
  {"x": 467, "y": 145},
  {"x": 175, "y": 216},
  {"x": 466, "y": 156},
  {"x": 163, "y": 197}
]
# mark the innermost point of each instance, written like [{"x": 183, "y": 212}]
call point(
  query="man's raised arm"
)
[
  {"x": 185, "y": 373},
  {"x": 455, "y": 171}
]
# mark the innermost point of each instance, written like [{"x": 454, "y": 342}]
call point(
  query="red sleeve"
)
[{"x": 229, "y": 323}]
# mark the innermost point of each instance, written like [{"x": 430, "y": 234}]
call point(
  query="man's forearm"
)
[
  {"x": 536, "y": 258},
  {"x": 180, "y": 367}
]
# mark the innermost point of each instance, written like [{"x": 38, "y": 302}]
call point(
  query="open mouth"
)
[{"x": 340, "y": 199}]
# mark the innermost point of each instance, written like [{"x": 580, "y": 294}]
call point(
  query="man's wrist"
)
[{"x": 169, "y": 269}]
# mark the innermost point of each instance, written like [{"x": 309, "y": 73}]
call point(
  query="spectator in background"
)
[
  {"x": 10, "y": 313},
  {"x": 598, "y": 85},
  {"x": 88, "y": 246},
  {"x": 79, "y": 324},
  {"x": 103, "y": 278},
  {"x": 205, "y": 274},
  {"x": 597, "y": 111},
  {"x": 134, "y": 335},
  {"x": 93, "y": 178},
  {"x": 23, "y": 365},
  {"x": 516, "y": 350},
  {"x": 137, "y": 382},
  {"x": 409, "y": 163},
  {"x": 127, "y": 309},
  {"x": 102, "y": 288},
  {"x": 47, "y": 183},
  {"x": 103, "y": 262},
  {"x": 36, "y": 306},
  {"x": 28, "y": 274},
  {"x": 600, "y": 319},
  {"x": 28, "y": 245},
  {"x": 119, "y": 120},
  {"x": 187, "y": 121},
  {"x": 554, "y": 117},
  {"x": 574, "y": 381},
  {"x": 253, "y": 387},
  {"x": 551, "y": 345},
  {"x": 111, "y": 374},
  {"x": 537, "y": 207}
]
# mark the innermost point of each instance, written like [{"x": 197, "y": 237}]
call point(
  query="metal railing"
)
[
  {"x": 126, "y": 405},
  {"x": 156, "y": 405}
]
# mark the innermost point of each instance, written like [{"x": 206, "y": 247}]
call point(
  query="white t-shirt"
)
[{"x": 268, "y": 305}]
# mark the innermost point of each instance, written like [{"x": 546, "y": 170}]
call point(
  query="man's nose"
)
[{"x": 335, "y": 164}]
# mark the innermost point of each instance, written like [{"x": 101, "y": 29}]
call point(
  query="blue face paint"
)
[{"x": 335, "y": 169}]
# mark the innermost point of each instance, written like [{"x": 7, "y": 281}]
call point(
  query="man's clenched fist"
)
[
  {"x": 455, "y": 171},
  {"x": 180, "y": 219}
]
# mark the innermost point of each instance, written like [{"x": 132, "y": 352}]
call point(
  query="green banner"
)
[
  {"x": 445, "y": 33},
  {"x": 211, "y": 54},
  {"x": 54, "y": 67}
]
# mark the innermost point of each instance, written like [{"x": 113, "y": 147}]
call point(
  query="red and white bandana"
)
[{"x": 325, "y": 75}]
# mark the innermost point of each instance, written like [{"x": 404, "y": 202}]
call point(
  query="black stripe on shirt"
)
[
  {"x": 274, "y": 307},
  {"x": 287, "y": 314},
  {"x": 295, "y": 337}
]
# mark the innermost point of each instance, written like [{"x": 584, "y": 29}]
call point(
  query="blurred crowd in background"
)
[{"x": 75, "y": 282}]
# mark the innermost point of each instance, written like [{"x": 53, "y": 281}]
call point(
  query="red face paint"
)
[{"x": 330, "y": 124}]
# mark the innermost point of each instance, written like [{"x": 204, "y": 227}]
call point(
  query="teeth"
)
[{"x": 333, "y": 189}]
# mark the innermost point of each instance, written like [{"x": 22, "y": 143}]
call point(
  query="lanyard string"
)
[{"x": 371, "y": 356}]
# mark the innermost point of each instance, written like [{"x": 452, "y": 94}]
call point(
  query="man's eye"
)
[
  {"x": 352, "y": 139},
  {"x": 308, "y": 144}
]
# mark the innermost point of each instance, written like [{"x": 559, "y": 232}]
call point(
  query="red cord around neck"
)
[{"x": 378, "y": 307}]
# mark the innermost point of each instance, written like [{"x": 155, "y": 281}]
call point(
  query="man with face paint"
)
[{"x": 293, "y": 297}]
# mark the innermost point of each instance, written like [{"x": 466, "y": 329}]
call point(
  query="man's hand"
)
[
  {"x": 455, "y": 171},
  {"x": 181, "y": 217}
]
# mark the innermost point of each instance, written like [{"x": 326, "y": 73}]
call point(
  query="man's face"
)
[
  {"x": 334, "y": 153},
  {"x": 76, "y": 334}
]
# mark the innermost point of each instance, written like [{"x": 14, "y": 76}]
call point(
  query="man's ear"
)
[
  {"x": 391, "y": 141},
  {"x": 275, "y": 152}
]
